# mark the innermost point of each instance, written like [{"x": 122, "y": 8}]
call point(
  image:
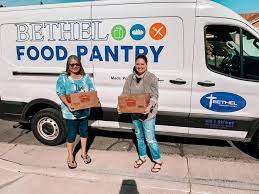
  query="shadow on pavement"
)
[
  {"x": 129, "y": 186},
  {"x": 160, "y": 138}
]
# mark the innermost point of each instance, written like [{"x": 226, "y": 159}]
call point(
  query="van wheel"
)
[
  {"x": 250, "y": 148},
  {"x": 48, "y": 127},
  {"x": 255, "y": 144}
]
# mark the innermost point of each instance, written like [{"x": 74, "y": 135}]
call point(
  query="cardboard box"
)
[
  {"x": 133, "y": 103},
  {"x": 84, "y": 100}
]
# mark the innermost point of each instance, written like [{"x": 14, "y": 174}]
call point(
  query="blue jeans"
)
[
  {"x": 75, "y": 126},
  {"x": 145, "y": 130}
]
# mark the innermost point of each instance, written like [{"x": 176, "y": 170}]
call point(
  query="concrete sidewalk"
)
[{"x": 29, "y": 169}]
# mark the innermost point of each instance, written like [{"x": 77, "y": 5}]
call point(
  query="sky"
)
[{"x": 239, "y": 6}]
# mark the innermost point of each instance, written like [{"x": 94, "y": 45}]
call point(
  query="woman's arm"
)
[
  {"x": 61, "y": 92},
  {"x": 153, "y": 95},
  {"x": 90, "y": 84},
  {"x": 154, "y": 91},
  {"x": 126, "y": 87}
]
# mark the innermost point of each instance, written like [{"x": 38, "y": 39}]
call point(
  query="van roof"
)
[
  {"x": 207, "y": 8},
  {"x": 95, "y": 2},
  {"x": 204, "y": 7},
  {"x": 145, "y": 1}
]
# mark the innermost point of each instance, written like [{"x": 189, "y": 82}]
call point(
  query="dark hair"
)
[
  {"x": 141, "y": 56},
  {"x": 74, "y": 57}
]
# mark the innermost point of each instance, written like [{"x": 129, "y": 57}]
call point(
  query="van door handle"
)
[
  {"x": 206, "y": 84},
  {"x": 177, "y": 81}
]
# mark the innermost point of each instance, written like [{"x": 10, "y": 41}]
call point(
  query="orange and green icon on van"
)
[
  {"x": 157, "y": 31},
  {"x": 118, "y": 32}
]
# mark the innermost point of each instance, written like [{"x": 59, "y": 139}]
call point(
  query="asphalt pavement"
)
[
  {"x": 198, "y": 166},
  {"x": 12, "y": 132}
]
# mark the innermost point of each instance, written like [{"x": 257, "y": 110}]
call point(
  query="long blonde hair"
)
[{"x": 74, "y": 57}]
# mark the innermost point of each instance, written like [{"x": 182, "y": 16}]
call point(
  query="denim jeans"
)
[
  {"x": 75, "y": 126},
  {"x": 145, "y": 132}
]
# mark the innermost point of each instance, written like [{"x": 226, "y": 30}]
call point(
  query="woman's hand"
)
[
  {"x": 148, "y": 109},
  {"x": 70, "y": 108},
  {"x": 118, "y": 109}
]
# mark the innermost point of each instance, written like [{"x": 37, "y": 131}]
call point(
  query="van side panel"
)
[
  {"x": 172, "y": 66},
  {"x": 34, "y": 46}
]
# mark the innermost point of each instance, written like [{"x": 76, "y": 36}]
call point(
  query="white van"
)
[{"x": 205, "y": 56}]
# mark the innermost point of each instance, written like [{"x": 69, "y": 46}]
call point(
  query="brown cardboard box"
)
[
  {"x": 84, "y": 100},
  {"x": 133, "y": 103}
]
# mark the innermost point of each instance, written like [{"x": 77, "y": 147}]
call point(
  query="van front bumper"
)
[{"x": 11, "y": 110}]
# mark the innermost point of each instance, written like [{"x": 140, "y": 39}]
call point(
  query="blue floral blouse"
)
[{"x": 65, "y": 86}]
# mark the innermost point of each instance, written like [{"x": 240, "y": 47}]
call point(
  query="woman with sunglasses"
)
[
  {"x": 142, "y": 81},
  {"x": 74, "y": 80}
]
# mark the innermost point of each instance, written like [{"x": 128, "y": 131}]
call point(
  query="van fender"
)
[{"x": 36, "y": 105}]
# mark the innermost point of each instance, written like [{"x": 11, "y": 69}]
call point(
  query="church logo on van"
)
[{"x": 223, "y": 102}]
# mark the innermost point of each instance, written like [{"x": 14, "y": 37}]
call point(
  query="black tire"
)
[
  {"x": 255, "y": 145},
  {"x": 250, "y": 148},
  {"x": 48, "y": 127}
]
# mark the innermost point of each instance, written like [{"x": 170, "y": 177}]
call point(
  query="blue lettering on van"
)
[
  {"x": 141, "y": 50},
  {"x": 81, "y": 51},
  {"x": 223, "y": 102},
  {"x": 215, "y": 123},
  {"x": 96, "y": 53},
  {"x": 126, "y": 52},
  {"x": 156, "y": 53},
  {"x": 47, "y": 55},
  {"x": 111, "y": 53},
  {"x": 61, "y": 53},
  {"x": 33, "y": 53},
  {"x": 19, "y": 51}
]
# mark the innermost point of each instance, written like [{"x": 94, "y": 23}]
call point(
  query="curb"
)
[{"x": 99, "y": 175}]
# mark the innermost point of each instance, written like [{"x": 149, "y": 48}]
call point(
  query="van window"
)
[
  {"x": 250, "y": 56},
  {"x": 232, "y": 51},
  {"x": 223, "y": 49}
]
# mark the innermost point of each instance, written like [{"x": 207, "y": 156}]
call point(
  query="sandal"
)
[
  {"x": 86, "y": 159},
  {"x": 155, "y": 169},
  {"x": 139, "y": 163},
  {"x": 71, "y": 164}
]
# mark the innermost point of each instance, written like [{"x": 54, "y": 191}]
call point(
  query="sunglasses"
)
[{"x": 74, "y": 65}]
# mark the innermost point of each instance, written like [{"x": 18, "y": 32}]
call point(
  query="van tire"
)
[
  {"x": 255, "y": 142},
  {"x": 48, "y": 127}
]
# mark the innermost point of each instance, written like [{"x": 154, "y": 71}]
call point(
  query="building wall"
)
[{"x": 253, "y": 18}]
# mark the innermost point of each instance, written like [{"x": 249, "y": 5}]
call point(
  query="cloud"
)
[{"x": 137, "y": 32}]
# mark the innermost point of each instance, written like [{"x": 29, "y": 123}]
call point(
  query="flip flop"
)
[
  {"x": 71, "y": 164},
  {"x": 156, "y": 170},
  {"x": 87, "y": 159},
  {"x": 137, "y": 165}
]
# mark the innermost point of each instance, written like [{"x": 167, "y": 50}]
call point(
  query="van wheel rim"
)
[{"x": 48, "y": 128}]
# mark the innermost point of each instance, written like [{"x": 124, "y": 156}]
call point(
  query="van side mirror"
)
[{"x": 256, "y": 43}]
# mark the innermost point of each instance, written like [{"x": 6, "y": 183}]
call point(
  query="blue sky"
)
[{"x": 241, "y": 6}]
